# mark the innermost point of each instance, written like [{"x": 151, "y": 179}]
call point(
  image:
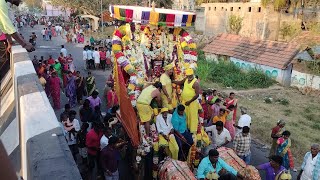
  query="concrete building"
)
[
  {"x": 50, "y": 10},
  {"x": 273, "y": 58},
  {"x": 214, "y": 19}
]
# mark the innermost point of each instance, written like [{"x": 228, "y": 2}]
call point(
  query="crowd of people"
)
[
  {"x": 100, "y": 139},
  {"x": 97, "y": 138}
]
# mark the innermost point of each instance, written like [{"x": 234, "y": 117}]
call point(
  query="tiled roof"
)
[{"x": 269, "y": 53}]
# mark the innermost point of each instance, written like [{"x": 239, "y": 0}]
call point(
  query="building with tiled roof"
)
[{"x": 274, "y": 58}]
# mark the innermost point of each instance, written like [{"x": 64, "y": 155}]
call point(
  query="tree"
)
[
  {"x": 91, "y": 7},
  {"x": 278, "y": 5},
  {"x": 33, "y": 4},
  {"x": 234, "y": 24}
]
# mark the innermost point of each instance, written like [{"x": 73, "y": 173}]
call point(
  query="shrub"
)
[{"x": 229, "y": 75}]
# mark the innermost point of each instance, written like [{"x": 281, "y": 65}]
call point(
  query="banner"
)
[{"x": 127, "y": 116}]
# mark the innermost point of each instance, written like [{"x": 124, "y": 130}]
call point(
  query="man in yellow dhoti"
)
[
  {"x": 166, "y": 133},
  {"x": 189, "y": 96},
  {"x": 145, "y": 111},
  {"x": 166, "y": 94}
]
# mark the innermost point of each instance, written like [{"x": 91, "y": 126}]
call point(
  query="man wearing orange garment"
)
[{"x": 189, "y": 96}]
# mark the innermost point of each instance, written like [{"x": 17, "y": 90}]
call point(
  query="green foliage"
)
[
  {"x": 283, "y": 101},
  {"x": 289, "y": 29},
  {"x": 314, "y": 27},
  {"x": 279, "y": 4},
  {"x": 235, "y": 24},
  {"x": 229, "y": 75},
  {"x": 92, "y": 7}
]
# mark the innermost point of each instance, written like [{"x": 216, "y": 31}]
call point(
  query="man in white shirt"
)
[
  {"x": 245, "y": 120},
  {"x": 64, "y": 51},
  {"x": 104, "y": 141},
  {"x": 96, "y": 57},
  {"x": 219, "y": 136},
  {"x": 166, "y": 132},
  {"x": 72, "y": 126},
  {"x": 43, "y": 32},
  {"x": 56, "y": 28},
  {"x": 90, "y": 58},
  {"x": 310, "y": 168},
  {"x": 85, "y": 58}
]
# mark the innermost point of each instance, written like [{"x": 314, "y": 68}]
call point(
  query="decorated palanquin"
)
[
  {"x": 151, "y": 39},
  {"x": 230, "y": 157}
]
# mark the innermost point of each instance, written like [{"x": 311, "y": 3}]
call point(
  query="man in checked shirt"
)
[{"x": 242, "y": 143}]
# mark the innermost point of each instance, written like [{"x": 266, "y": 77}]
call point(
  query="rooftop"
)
[{"x": 269, "y": 53}]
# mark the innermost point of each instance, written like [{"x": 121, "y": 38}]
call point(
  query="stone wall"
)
[{"x": 217, "y": 15}]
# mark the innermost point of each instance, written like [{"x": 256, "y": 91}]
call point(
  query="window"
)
[
  {"x": 209, "y": 8},
  {"x": 215, "y": 8},
  {"x": 239, "y": 8},
  {"x": 231, "y": 9},
  {"x": 259, "y": 9},
  {"x": 221, "y": 8},
  {"x": 249, "y": 9}
]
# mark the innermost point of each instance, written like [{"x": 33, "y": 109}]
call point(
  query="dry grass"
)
[
  {"x": 301, "y": 113},
  {"x": 108, "y": 31}
]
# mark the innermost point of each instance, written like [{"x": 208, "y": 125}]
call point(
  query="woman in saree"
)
[
  {"x": 91, "y": 83},
  {"x": 80, "y": 87},
  {"x": 112, "y": 99},
  {"x": 232, "y": 101},
  {"x": 283, "y": 150},
  {"x": 275, "y": 135},
  {"x": 55, "y": 85},
  {"x": 229, "y": 122},
  {"x": 71, "y": 65},
  {"x": 81, "y": 39},
  {"x": 71, "y": 89},
  {"x": 53, "y": 31}
]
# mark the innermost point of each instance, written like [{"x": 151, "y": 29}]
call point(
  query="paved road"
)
[{"x": 46, "y": 48}]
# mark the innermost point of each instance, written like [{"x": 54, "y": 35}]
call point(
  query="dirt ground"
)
[{"x": 267, "y": 106}]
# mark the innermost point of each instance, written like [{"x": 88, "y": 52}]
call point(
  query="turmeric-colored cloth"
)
[
  {"x": 145, "y": 111},
  {"x": 173, "y": 145},
  {"x": 220, "y": 118},
  {"x": 192, "y": 110},
  {"x": 166, "y": 82}
]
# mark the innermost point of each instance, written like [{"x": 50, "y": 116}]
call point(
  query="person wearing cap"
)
[
  {"x": 189, "y": 96},
  {"x": 276, "y": 134},
  {"x": 214, "y": 164},
  {"x": 244, "y": 120},
  {"x": 166, "y": 93},
  {"x": 310, "y": 168},
  {"x": 273, "y": 168},
  {"x": 144, "y": 108},
  {"x": 166, "y": 132}
]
